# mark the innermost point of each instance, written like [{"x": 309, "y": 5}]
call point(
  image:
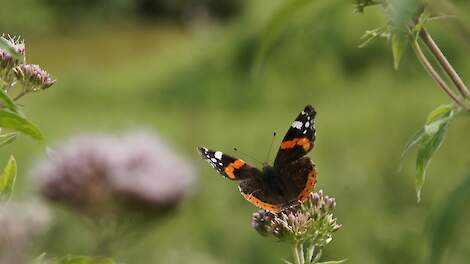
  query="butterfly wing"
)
[
  {"x": 299, "y": 139},
  {"x": 230, "y": 167},
  {"x": 251, "y": 182}
]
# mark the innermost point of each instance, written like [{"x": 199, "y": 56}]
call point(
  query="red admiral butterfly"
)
[{"x": 292, "y": 176}]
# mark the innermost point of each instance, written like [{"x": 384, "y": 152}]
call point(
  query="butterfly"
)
[{"x": 288, "y": 181}]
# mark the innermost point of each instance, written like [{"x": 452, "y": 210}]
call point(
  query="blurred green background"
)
[{"x": 184, "y": 69}]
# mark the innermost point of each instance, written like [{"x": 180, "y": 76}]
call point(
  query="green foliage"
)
[
  {"x": 18, "y": 123},
  {"x": 279, "y": 21},
  {"x": 5, "y": 45},
  {"x": 448, "y": 224},
  {"x": 7, "y": 138},
  {"x": 429, "y": 139},
  {"x": 333, "y": 261},
  {"x": 7, "y": 179},
  {"x": 82, "y": 260},
  {"x": 9, "y": 103}
]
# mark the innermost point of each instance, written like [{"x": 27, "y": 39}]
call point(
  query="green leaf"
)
[
  {"x": 398, "y": 46},
  {"x": 83, "y": 260},
  {"x": 7, "y": 179},
  {"x": 333, "y": 261},
  {"x": 39, "y": 259},
  {"x": 278, "y": 23},
  {"x": 411, "y": 142},
  {"x": 7, "y": 138},
  {"x": 432, "y": 138},
  {"x": 371, "y": 35},
  {"x": 446, "y": 227},
  {"x": 439, "y": 112},
  {"x": 9, "y": 103},
  {"x": 16, "y": 122},
  {"x": 6, "y": 46}
]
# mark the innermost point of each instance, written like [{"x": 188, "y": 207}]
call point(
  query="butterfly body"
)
[{"x": 288, "y": 181}]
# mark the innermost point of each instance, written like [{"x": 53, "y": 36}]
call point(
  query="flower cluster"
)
[
  {"x": 13, "y": 68},
  {"x": 9, "y": 61},
  {"x": 310, "y": 224},
  {"x": 20, "y": 223},
  {"x": 33, "y": 77},
  {"x": 105, "y": 177}
]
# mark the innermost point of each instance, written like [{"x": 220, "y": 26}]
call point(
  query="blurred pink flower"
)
[
  {"x": 20, "y": 223},
  {"x": 103, "y": 175}
]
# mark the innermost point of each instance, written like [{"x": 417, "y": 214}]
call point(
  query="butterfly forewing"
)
[
  {"x": 299, "y": 139},
  {"x": 230, "y": 167}
]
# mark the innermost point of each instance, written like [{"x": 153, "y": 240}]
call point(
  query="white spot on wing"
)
[
  {"x": 213, "y": 160},
  {"x": 218, "y": 155},
  {"x": 307, "y": 124},
  {"x": 297, "y": 124}
]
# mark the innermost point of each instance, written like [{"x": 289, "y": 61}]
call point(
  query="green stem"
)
[
  {"x": 453, "y": 75},
  {"x": 296, "y": 253},
  {"x": 435, "y": 76},
  {"x": 18, "y": 96},
  {"x": 318, "y": 256},
  {"x": 310, "y": 251},
  {"x": 301, "y": 251}
]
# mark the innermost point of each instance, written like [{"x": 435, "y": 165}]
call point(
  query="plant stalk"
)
[
  {"x": 435, "y": 75},
  {"x": 454, "y": 76}
]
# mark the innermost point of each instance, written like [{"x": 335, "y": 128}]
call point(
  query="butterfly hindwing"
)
[
  {"x": 230, "y": 167},
  {"x": 301, "y": 175},
  {"x": 299, "y": 139},
  {"x": 258, "y": 192}
]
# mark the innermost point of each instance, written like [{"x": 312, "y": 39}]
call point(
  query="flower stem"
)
[
  {"x": 434, "y": 49},
  {"x": 310, "y": 251},
  {"x": 435, "y": 76},
  {"x": 296, "y": 253},
  {"x": 301, "y": 251},
  {"x": 21, "y": 94}
]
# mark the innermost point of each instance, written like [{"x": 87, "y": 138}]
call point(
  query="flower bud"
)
[
  {"x": 33, "y": 77},
  {"x": 9, "y": 61}
]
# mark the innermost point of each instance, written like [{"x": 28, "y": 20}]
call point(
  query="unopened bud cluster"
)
[
  {"x": 312, "y": 221},
  {"x": 31, "y": 75},
  {"x": 13, "y": 67},
  {"x": 8, "y": 61}
]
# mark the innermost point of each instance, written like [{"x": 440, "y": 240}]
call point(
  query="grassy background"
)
[{"x": 194, "y": 86}]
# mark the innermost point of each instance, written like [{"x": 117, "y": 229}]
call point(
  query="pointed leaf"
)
[
  {"x": 398, "y": 46},
  {"x": 440, "y": 111},
  {"x": 7, "y": 179},
  {"x": 429, "y": 145},
  {"x": 411, "y": 142},
  {"x": 16, "y": 122}
]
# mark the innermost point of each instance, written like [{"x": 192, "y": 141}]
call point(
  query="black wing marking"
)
[
  {"x": 299, "y": 139},
  {"x": 230, "y": 167}
]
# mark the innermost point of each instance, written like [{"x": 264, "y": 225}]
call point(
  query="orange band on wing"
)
[
  {"x": 257, "y": 202},
  {"x": 304, "y": 142},
  {"x": 237, "y": 164},
  {"x": 311, "y": 180}
]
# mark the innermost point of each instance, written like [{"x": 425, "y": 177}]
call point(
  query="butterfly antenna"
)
[
  {"x": 249, "y": 156},
  {"x": 271, "y": 146}
]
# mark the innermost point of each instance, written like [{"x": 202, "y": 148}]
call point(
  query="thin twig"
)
[
  {"x": 427, "y": 39},
  {"x": 435, "y": 76},
  {"x": 24, "y": 92}
]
